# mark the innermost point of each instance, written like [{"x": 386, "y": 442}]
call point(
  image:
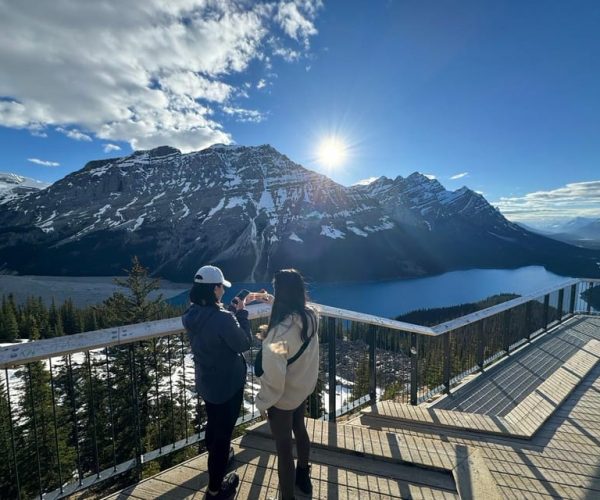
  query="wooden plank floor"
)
[
  {"x": 334, "y": 476},
  {"x": 561, "y": 461},
  {"x": 502, "y": 388}
]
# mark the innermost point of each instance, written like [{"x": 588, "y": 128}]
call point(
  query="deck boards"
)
[{"x": 499, "y": 391}]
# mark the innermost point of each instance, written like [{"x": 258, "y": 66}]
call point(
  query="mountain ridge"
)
[{"x": 253, "y": 210}]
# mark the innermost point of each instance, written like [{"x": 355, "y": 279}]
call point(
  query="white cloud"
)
[
  {"x": 74, "y": 134},
  {"x": 573, "y": 200},
  {"x": 261, "y": 84},
  {"x": 108, "y": 148},
  {"x": 143, "y": 72},
  {"x": 288, "y": 55},
  {"x": 430, "y": 176},
  {"x": 365, "y": 182},
  {"x": 295, "y": 21},
  {"x": 459, "y": 176},
  {"x": 244, "y": 115},
  {"x": 44, "y": 163}
]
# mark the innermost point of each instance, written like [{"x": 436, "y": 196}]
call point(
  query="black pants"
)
[
  {"x": 221, "y": 420},
  {"x": 282, "y": 423}
]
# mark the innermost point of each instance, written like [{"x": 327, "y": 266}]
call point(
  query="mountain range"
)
[
  {"x": 580, "y": 231},
  {"x": 252, "y": 210}
]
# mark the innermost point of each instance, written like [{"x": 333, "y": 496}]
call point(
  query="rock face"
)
[{"x": 251, "y": 210}]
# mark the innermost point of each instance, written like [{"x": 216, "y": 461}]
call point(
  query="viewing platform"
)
[
  {"x": 502, "y": 403},
  {"x": 392, "y": 451}
]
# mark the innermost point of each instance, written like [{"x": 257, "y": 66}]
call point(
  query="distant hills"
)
[
  {"x": 580, "y": 231},
  {"x": 252, "y": 211}
]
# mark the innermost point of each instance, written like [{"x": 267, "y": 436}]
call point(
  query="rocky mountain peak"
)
[{"x": 251, "y": 210}]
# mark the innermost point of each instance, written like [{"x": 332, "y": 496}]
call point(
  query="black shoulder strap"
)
[{"x": 303, "y": 347}]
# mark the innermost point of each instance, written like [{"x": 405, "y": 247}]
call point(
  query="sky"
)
[{"x": 501, "y": 96}]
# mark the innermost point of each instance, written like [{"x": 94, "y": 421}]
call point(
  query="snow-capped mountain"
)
[
  {"x": 13, "y": 186},
  {"x": 252, "y": 211}
]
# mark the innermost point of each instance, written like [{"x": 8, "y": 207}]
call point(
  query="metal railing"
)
[{"x": 92, "y": 409}]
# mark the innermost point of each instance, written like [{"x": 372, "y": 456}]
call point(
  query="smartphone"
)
[{"x": 241, "y": 295}]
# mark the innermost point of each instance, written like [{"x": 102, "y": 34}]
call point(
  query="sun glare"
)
[{"x": 331, "y": 152}]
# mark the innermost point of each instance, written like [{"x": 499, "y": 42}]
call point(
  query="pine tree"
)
[
  {"x": 134, "y": 306},
  {"x": 7, "y": 477},
  {"x": 137, "y": 419},
  {"x": 9, "y": 328},
  {"x": 69, "y": 318},
  {"x": 361, "y": 382}
]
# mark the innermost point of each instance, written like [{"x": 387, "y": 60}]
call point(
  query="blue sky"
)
[{"x": 504, "y": 93}]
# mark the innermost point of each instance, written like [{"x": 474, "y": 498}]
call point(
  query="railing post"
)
[
  {"x": 135, "y": 411},
  {"x": 506, "y": 334},
  {"x": 546, "y": 304},
  {"x": 528, "y": 306},
  {"x": 561, "y": 298},
  {"x": 12, "y": 434},
  {"x": 572, "y": 303},
  {"x": 332, "y": 367},
  {"x": 589, "y": 302},
  {"x": 446, "y": 340},
  {"x": 372, "y": 364},
  {"x": 414, "y": 353},
  {"x": 480, "y": 346}
]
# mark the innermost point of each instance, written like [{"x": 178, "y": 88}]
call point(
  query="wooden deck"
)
[
  {"x": 498, "y": 391},
  {"x": 378, "y": 455}
]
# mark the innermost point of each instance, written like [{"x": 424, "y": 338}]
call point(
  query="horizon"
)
[{"x": 497, "y": 96}]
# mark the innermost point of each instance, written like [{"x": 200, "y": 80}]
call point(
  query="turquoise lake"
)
[{"x": 394, "y": 297}]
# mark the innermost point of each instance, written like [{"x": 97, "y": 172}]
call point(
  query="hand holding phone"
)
[{"x": 238, "y": 300}]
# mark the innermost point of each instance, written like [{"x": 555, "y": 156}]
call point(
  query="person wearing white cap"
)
[{"x": 218, "y": 337}]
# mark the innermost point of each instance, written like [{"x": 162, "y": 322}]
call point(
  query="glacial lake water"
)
[{"x": 394, "y": 297}]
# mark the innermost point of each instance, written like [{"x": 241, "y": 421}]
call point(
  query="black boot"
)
[
  {"x": 228, "y": 488},
  {"x": 303, "y": 480}
]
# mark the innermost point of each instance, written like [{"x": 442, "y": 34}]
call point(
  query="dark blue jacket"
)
[{"x": 218, "y": 337}]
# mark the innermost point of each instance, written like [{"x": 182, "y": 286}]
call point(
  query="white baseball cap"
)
[{"x": 211, "y": 275}]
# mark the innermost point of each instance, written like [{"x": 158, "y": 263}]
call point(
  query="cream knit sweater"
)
[{"x": 283, "y": 386}]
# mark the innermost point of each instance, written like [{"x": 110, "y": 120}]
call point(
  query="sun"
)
[{"x": 331, "y": 151}]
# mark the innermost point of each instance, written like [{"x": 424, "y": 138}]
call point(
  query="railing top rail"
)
[
  {"x": 27, "y": 352},
  {"x": 491, "y": 311},
  {"x": 392, "y": 324},
  {"x": 18, "y": 354}
]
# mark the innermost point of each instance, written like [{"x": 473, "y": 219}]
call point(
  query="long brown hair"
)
[{"x": 290, "y": 298}]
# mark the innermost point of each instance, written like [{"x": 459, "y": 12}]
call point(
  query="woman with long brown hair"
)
[{"x": 290, "y": 364}]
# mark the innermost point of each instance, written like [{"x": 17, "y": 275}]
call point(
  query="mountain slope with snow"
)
[
  {"x": 252, "y": 211},
  {"x": 13, "y": 186}
]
